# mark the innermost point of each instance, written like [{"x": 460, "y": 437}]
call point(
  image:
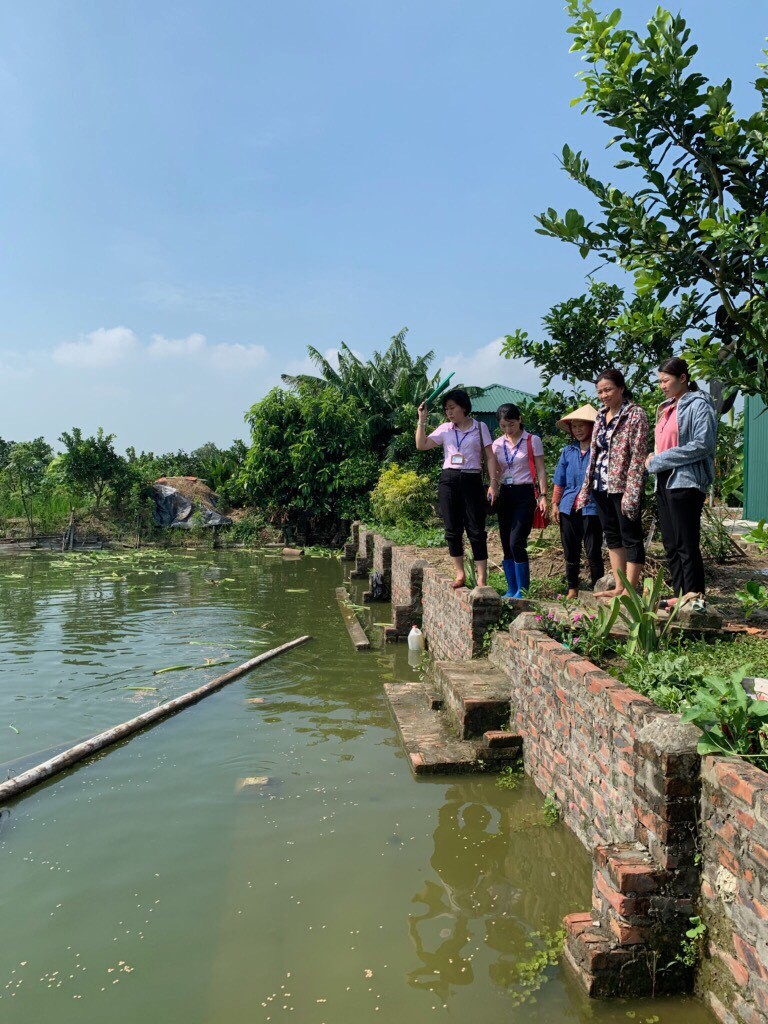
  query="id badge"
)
[
  {"x": 507, "y": 479},
  {"x": 457, "y": 459}
]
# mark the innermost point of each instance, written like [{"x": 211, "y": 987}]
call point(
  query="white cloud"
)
[
  {"x": 237, "y": 357},
  {"x": 102, "y": 347},
  {"x": 486, "y": 365},
  {"x": 168, "y": 347}
]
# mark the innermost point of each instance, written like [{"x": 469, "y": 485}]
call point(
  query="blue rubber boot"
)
[
  {"x": 509, "y": 571},
  {"x": 523, "y": 573}
]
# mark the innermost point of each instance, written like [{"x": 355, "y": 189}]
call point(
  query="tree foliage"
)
[
  {"x": 695, "y": 233},
  {"x": 310, "y": 462},
  {"x": 89, "y": 464},
  {"x": 587, "y": 334},
  {"x": 388, "y": 387},
  {"x": 24, "y": 472}
]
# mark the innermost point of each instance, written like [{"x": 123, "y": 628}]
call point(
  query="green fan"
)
[{"x": 438, "y": 390}]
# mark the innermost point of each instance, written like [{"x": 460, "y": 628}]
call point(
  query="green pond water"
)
[{"x": 144, "y": 887}]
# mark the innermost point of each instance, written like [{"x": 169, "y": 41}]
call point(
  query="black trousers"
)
[
  {"x": 463, "y": 505},
  {"x": 680, "y": 522},
  {"x": 515, "y": 506},
  {"x": 620, "y": 532},
  {"x": 575, "y": 529}
]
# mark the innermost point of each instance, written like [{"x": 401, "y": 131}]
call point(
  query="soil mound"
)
[{"x": 192, "y": 488}]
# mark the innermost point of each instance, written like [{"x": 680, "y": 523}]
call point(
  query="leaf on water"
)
[
  {"x": 211, "y": 664},
  {"x": 296, "y": 590},
  {"x": 14, "y": 575},
  {"x": 148, "y": 688},
  {"x": 14, "y": 729},
  {"x": 171, "y": 668}
]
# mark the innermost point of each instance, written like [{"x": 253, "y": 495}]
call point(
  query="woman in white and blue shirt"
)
[{"x": 462, "y": 497}]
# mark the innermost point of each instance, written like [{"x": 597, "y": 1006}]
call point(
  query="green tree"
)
[
  {"x": 89, "y": 464},
  {"x": 310, "y": 464},
  {"x": 694, "y": 234},
  {"x": 24, "y": 472},
  {"x": 388, "y": 387},
  {"x": 587, "y": 334}
]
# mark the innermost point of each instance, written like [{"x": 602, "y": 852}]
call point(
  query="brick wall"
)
[
  {"x": 670, "y": 836},
  {"x": 625, "y": 776},
  {"x": 733, "y": 978},
  {"x": 407, "y": 577},
  {"x": 349, "y": 551},
  {"x": 455, "y": 621},
  {"x": 364, "y": 556},
  {"x": 381, "y": 563}
]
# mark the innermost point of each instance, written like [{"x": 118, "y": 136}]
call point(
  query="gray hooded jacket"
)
[{"x": 693, "y": 461}]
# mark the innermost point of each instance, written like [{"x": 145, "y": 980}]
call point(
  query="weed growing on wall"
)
[
  {"x": 692, "y": 945},
  {"x": 510, "y": 776},
  {"x": 581, "y": 632},
  {"x": 551, "y": 809}
]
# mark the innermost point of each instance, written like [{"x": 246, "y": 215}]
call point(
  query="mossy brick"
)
[
  {"x": 759, "y": 994},
  {"x": 629, "y": 934},
  {"x": 748, "y": 955},
  {"x": 746, "y": 1012},
  {"x": 625, "y": 906},
  {"x": 719, "y": 1010}
]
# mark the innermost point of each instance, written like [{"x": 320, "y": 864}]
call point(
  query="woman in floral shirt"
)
[{"x": 615, "y": 476}]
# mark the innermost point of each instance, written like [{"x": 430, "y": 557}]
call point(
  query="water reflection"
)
[
  {"x": 470, "y": 846},
  {"x": 495, "y": 862}
]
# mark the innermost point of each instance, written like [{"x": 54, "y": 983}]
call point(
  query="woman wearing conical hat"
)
[{"x": 578, "y": 527}]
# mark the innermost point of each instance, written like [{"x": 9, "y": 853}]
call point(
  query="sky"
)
[{"x": 191, "y": 193}]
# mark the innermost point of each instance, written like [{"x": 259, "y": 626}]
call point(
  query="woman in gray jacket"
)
[{"x": 684, "y": 464}]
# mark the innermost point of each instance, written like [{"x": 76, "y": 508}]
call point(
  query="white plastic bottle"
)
[{"x": 415, "y": 639}]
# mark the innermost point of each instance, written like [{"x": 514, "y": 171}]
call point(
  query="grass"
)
[
  {"x": 722, "y": 657},
  {"x": 411, "y": 535}
]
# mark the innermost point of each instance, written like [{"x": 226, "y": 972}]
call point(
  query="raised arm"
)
[{"x": 423, "y": 443}]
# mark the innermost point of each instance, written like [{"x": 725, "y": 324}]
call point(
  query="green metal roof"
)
[{"x": 496, "y": 395}]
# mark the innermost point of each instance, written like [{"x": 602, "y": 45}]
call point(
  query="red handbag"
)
[{"x": 540, "y": 519}]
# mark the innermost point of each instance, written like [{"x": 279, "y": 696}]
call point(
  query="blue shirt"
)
[{"x": 570, "y": 476}]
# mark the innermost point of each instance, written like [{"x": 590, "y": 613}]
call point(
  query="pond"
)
[{"x": 148, "y": 884}]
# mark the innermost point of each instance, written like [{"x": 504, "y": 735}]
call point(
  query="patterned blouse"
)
[{"x": 603, "y": 436}]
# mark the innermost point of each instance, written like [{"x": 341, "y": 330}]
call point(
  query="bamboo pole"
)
[
  {"x": 34, "y": 776},
  {"x": 355, "y": 630}
]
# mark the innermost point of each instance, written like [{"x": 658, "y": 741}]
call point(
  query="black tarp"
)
[{"x": 173, "y": 509}]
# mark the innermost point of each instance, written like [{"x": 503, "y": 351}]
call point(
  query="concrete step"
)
[
  {"x": 430, "y": 741},
  {"x": 477, "y": 696}
]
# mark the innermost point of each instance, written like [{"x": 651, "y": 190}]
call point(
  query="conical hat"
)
[{"x": 587, "y": 414}]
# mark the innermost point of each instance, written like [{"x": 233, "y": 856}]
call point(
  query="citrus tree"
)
[{"x": 691, "y": 227}]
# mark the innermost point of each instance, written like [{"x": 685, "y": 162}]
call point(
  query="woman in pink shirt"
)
[
  {"x": 519, "y": 458},
  {"x": 462, "y": 498}
]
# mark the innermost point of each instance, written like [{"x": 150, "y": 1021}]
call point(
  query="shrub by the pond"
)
[{"x": 403, "y": 498}]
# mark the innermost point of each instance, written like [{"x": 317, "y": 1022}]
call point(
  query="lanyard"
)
[
  {"x": 459, "y": 443},
  {"x": 514, "y": 453}
]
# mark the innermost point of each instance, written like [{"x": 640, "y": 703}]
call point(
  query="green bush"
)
[{"x": 402, "y": 497}]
